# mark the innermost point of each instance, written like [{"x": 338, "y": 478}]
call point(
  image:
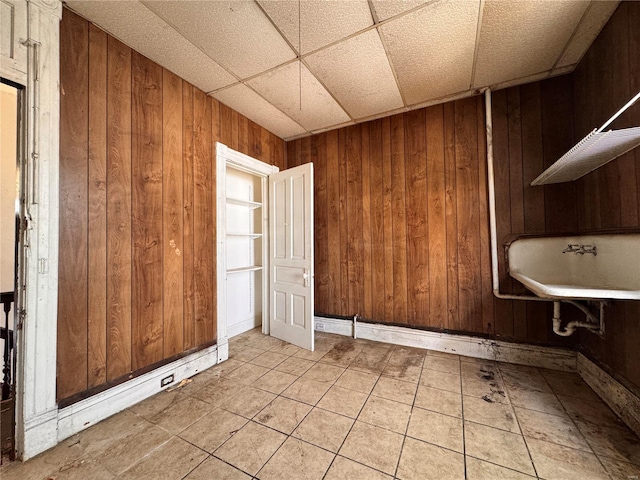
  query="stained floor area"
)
[{"x": 353, "y": 409}]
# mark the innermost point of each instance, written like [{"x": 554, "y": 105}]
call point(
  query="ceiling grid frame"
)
[{"x": 585, "y": 29}]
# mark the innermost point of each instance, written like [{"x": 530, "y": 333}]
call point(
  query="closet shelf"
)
[
  {"x": 246, "y": 235},
  {"x": 245, "y": 269},
  {"x": 243, "y": 203},
  {"x": 593, "y": 151}
]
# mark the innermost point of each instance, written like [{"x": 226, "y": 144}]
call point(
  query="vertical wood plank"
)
[
  {"x": 398, "y": 192},
  {"x": 557, "y": 132},
  {"x": 255, "y": 140},
  {"x": 367, "y": 309},
  {"x": 469, "y": 286},
  {"x": 291, "y": 153},
  {"x": 265, "y": 141},
  {"x": 515, "y": 160},
  {"x": 533, "y": 197},
  {"x": 243, "y": 134},
  {"x": 488, "y": 310},
  {"x": 344, "y": 225},
  {"x": 504, "y": 309},
  {"x": 235, "y": 133},
  {"x": 387, "y": 210},
  {"x": 97, "y": 227},
  {"x": 215, "y": 121},
  {"x": 377, "y": 221},
  {"x": 417, "y": 236},
  {"x": 353, "y": 168},
  {"x": 188, "y": 218},
  {"x": 305, "y": 150},
  {"x": 213, "y": 275},
  {"x": 172, "y": 215},
  {"x": 532, "y": 158},
  {"x": 279, "y": 153},
  {"x": 226, "y": 122},
  {"x": 72, "y": 273},
  {"x": 608, "y": 179},
  {"x": 333, "y": 222},
  {"x": 634, "y": 86},
  {"x": 436, "y": 214},
  {"x": 517, "y": 197},
  {"x": 321, "y": 252},
  {"x": 622, "y": 79},
  {"x": 451, "y": 216},
  {"x": 146, "y": 211},
  {"x": 203, "y": 217},
  {"x": 118, "y": 210}
]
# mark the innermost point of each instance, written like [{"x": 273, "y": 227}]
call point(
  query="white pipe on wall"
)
[
  {"x": 595, "y": 324},
  {"x": 492, "y": 211}
]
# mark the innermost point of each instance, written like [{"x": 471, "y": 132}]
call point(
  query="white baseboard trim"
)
[
  {"x": 622, "y": 401},
  {"x": 88, "y": 412},
  {"x": 41, "y": 432},
  {"x": 532, "y": 355},
  {"x": 244, "y": 326}
]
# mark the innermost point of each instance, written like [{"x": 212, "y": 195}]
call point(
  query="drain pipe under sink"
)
[{"x": 593, "y": 323}]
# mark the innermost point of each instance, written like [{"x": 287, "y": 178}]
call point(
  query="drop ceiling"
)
[{"x": 301, "y": 67}]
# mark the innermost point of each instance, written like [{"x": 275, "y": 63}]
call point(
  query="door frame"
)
[{"x": 227, "y": 157}]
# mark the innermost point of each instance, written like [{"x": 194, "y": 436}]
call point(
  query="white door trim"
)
[
  {"x": 227, "y": 157},
  {"x": 36, "y": 66}
]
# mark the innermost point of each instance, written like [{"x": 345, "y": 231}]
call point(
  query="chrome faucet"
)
[
  {"x": 572, "y": 248},
  {"x": 588, "y": 249},
  {"x": 580, "y": 249}
]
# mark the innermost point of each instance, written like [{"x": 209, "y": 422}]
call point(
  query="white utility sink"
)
[{"x": 613, "y": 272}]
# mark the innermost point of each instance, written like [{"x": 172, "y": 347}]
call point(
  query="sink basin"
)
[{"x": 614, "y": 273}]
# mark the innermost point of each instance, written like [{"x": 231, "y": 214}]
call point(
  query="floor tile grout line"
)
[
  {"x": 203, "y": 460},
  {"x": 295, "y": 427},
  {"x": 572, "y": 420},
  {"x": 359, "y": 412},
  {"x": 371, "y": 392},
  {"x": 406, "y": 430},
  {"x": 299, "y": 423},
  {"x": 144, "y": 456},
  {"x": 464, "y": 438},
  {"x": 501, "y": 466},
  {"x": 526, "y": 444}
]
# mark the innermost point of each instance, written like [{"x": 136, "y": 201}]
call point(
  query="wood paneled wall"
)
[
  {"x": 609, "y": 198},
  {"x": 402, "y": 220},
  {"x": 137, "y": 281},
  {"x": 532, "y": 128}
]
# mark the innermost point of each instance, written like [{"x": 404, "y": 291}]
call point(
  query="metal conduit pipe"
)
[
  {"x": 594, "y": 323},
  {"x": 492, "y": 211}
]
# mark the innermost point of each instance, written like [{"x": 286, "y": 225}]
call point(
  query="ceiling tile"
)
[
  {"x": 386, "y": 9},
  {"x": 358, "y": 74},
  {"x": 247, "y": 102},
  {"x": 593, "y": 21},
  {"x": 237, "y": 34},
  {"x": 281, "y": 87},
  {"x": 432, "y": 49},
  {"x": 322, "y": 21},
  {"x": 518, "y": 39},
  {"x": 141, "y": 29}
]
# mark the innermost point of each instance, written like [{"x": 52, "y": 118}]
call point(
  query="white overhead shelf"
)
[{"x": 593, "y": 151}]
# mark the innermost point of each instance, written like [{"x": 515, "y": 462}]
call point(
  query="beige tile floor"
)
[{"x": 353, "y": 409}]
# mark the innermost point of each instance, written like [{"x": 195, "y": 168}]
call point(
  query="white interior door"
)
[{"x": 291, "y": 254}]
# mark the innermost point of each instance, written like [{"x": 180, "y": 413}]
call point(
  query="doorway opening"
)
[
  {"x": 264, "y": 248},
  {"x": 10, "y": 175}
]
